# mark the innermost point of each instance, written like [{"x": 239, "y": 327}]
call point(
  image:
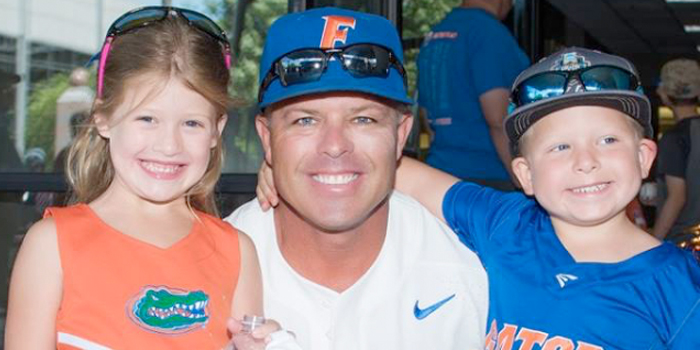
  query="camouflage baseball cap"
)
[{"x": 680, "y": 78}]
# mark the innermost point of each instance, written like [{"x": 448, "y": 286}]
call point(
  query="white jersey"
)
[{"x": 426, "y": 290}]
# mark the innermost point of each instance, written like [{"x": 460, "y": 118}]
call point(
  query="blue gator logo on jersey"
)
[{"x": 169, "y": 311}]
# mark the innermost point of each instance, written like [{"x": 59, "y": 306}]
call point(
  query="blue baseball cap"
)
[{"x": 327, "y": 28}]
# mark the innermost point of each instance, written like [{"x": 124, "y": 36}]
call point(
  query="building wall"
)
[{"x": 69, "y": 24}]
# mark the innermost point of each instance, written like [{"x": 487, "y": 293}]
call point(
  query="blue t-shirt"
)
[
  {"x": 540, "y": 296},
  {"x": 465, "y": 55}
]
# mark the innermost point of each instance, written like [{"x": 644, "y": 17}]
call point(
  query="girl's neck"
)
[
  {"x": 158, "y": 224},
  {"x": 612, "y": 241}
]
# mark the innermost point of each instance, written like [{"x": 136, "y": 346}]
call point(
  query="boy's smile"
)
[{"x": 584, "y": 164}]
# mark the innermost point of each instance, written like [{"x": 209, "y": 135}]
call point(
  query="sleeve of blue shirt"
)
[
  {"x": 478, "y": 214},
  {"x": 496, "y": 60}
]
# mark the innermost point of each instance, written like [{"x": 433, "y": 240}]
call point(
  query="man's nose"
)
[{"x": 336, "y": 140}]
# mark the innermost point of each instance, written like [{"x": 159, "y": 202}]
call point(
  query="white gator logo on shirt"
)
[{"x": 562, "y": 278}]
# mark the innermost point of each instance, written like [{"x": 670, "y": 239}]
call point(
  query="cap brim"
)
[
  {"x": 338, "y": 86},
  {"x": 628, "y": 102}
]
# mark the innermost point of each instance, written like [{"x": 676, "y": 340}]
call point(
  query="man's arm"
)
[
  {"x": 494, "y": 106},
  {"x": 672, "y": 206}
]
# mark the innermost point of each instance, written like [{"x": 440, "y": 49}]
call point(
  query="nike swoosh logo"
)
[{"x": 423, "y": 313}]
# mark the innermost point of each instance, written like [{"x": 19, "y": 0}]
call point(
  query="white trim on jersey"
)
[{"x": 78, "y": 342}]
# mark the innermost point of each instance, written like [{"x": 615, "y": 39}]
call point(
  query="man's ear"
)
[
  {"x": 262, "y": 125},
  {"x": 521, "y": 169},
  {"x": 404, "y": 129},
  {"x": 220, "y": 126},
  {"x": 647, "y": 154}
]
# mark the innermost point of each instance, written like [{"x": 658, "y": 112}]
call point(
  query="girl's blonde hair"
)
[{"x": 170, "y": 49}]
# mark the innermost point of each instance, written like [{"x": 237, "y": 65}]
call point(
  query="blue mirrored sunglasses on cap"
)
[{"x": 557, "y": 83}]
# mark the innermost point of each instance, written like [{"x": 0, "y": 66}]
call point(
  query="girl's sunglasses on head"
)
[{"x": 146, "y": 16}]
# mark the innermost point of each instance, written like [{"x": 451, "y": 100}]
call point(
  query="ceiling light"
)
[
  {"x": 682, "y": 1},
  {"x": 692, "y": 28}
]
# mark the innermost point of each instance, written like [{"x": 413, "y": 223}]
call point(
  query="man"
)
[
  {"x": 346, "y": 263},
  {"x": 679, "y": 150},
  {"x": 466, "y": 67}
]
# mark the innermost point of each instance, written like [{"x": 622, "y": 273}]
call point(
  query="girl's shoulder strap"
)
[
  {"x": 221, "y": 234},
  {"x": 215, "y": 223},
  {"x": 59, "y": 213},
  {"x": 75, "y": 226}
]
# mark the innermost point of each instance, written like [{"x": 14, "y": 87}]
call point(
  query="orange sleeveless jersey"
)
[{"x": 121, "y": 293}]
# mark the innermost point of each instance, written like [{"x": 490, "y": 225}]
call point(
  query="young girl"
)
[{"x": 141, "y": 261}]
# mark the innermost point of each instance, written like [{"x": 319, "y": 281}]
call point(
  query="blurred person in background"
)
[
  {"x": 466, "y": 67},
  {"x": 678, "y": 166}
]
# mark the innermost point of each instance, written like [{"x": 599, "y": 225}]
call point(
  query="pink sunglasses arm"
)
[{"x": 101, "y": 65}]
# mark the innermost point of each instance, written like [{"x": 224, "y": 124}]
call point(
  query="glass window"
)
[
  {"x": 247, "y": 31},
  {"x": 36, "y": 112}
]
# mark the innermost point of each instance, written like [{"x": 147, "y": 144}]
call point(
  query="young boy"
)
[{"x": 567, "y": 269}]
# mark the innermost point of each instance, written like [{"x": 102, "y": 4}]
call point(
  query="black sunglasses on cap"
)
[{"x": 305, "y": 65}]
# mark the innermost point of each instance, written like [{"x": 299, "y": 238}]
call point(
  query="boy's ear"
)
[
  {"x": 521, "y": 169},
  {"x": 262, "y": 125},
  {"x": 647, "y": 154}
]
